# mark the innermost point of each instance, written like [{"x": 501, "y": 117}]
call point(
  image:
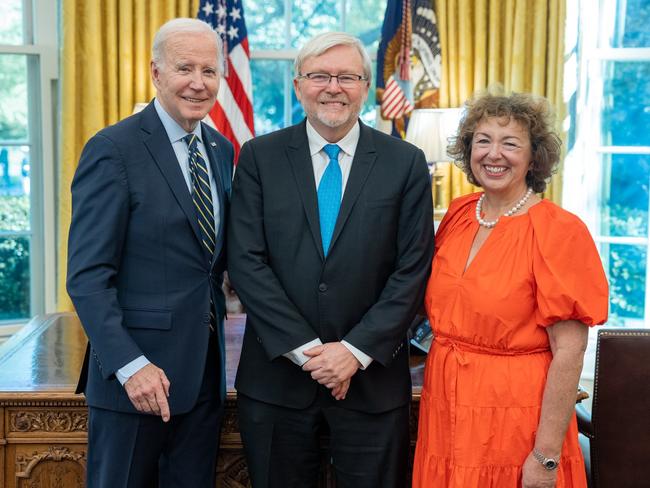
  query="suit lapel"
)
[
  {"x": 364, "y": 159},
  {"x": 303, "y": 171},
  {"x": 157, "y": 142}
]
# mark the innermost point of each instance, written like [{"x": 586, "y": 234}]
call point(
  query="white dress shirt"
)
[{"x": 320, "y": 160}]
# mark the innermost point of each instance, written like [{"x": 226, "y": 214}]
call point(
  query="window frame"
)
[{"x": 40, "y": 45}]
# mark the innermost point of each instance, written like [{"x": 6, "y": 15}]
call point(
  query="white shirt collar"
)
[
  {"x": 348, "y": 143},
  {"x": 174, "y": 131}
]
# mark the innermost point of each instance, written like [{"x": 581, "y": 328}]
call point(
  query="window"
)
[
  {"x": 27, "y": 51},
  {"x": 607, "y": 169},
  {"x": 611, "y": 147},
  {"x": 278, "y": 28}
]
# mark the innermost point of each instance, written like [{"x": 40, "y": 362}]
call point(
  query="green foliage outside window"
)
[{"x": 14, "y": 259}]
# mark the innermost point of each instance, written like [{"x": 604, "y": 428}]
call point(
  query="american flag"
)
[
  {"x": 408, "y": 61},
  {"x": 232, "y": 114}
]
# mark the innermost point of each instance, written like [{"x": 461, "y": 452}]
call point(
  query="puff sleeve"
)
[{"x": 569, "y": 276}]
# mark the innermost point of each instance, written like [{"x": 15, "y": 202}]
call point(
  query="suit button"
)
[
  {"x": 206, "y": 318},
  {"x": 259, "y": 339},
  {"x": 322, "y": 287}
]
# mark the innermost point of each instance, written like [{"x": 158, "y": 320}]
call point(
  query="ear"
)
[
  {"x": 155, "y": 73},
  {"x": 296, "y": 88}
]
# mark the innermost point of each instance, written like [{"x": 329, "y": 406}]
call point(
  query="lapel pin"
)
[{"x": 213, "y": 144}]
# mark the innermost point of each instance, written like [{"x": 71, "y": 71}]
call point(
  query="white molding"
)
[
  {"x": 634, "y": 54},
  {"x": 623, "y": 149}
]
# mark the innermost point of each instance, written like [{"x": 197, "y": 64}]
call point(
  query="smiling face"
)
[
  {"x": 331, "y": 110},
  {"x": 501, "y": 156},
  {"x": 187, "y": 81}
]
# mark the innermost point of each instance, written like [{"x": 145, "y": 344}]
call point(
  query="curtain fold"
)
[
  {"x": 106, "y": 48},
  {"x": 517, "y": 43}
]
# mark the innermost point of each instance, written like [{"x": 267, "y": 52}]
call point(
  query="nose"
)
[
  {"x": 333, "y": 85},
  {"x": 495, "y": 151},
  {"x": 196, "y": 80}
]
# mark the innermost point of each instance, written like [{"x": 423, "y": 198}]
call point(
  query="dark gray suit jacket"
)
[
  {"x": 366, "y": 291},
  {"x": 138, "y": 276}
]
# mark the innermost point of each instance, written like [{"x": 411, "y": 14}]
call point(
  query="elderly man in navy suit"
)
[
  {"x": 329, "y": 246},
  {"x": 146, "y": 257}
]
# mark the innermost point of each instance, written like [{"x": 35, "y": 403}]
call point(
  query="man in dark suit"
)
[
  {"x": 146, "y": 256},
  {"x": 329, "y": 247}
]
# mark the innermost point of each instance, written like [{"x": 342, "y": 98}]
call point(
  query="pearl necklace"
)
[{"x": 491, "y": 223}]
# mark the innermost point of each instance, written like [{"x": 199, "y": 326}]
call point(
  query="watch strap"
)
[{"x": 548, "y": 463}]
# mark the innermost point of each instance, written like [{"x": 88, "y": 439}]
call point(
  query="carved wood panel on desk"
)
[{"x": 44, "y": 424}]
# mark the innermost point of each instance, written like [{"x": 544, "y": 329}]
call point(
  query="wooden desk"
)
[{"x": 44, "y": 424}]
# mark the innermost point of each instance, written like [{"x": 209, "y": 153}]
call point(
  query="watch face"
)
[{"x": 550, "y": 464}]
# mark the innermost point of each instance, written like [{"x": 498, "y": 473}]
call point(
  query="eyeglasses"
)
[{"x": 323, "y": 79}]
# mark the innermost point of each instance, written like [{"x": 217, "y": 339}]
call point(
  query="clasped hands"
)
[{"x": 332, "y": 365}]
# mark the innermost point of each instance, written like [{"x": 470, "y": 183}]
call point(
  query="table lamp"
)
[{"x": 430, "y": 130}]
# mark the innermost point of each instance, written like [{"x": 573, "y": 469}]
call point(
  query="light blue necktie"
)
[{"x": 329, "y": 195}]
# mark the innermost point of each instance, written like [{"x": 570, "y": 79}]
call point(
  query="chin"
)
[{"x": 333, "y": 122}]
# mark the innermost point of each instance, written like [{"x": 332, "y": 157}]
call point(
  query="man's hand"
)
[
  {"x": 148, "y": 390},
  {"x": 340, "y": 390},
  {"x": 331, "y": 364}
]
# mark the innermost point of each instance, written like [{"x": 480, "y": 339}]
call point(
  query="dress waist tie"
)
[{"x": 460, "y": 347}]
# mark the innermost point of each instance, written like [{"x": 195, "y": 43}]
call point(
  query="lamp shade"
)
[{"x": 430, "y": 130}]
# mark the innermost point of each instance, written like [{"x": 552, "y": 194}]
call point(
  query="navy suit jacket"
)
[
  {"x": 366, "y": 291},
  {"x": 138, "y": 276}
]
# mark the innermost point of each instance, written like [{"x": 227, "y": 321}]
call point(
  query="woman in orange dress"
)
[{"x": 515, "y": 283}]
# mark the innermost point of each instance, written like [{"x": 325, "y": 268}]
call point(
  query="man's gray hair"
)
[
  {"x": 183, "y": 25},
  {"x": 321, "y": 43}
]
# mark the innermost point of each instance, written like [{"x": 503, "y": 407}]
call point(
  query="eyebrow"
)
[{"x": 485, "y": 134}]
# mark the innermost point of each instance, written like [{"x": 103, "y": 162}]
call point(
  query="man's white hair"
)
[
  {"x": 183, "y": 25},
  {"x": 321, "y": 43}
]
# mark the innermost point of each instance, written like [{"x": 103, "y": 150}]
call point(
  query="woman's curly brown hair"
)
[{"x": 532, "y": 112}]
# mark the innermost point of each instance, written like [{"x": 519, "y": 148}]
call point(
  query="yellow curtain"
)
[
  {"x": 105, "y": 71},
  {"x": 517, "y": 43}
]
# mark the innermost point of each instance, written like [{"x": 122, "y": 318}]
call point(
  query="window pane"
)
[
  {"x": 13, "y": 97},
  {"x": 11, "y": 22},
  {"x": 626, "y": 104},
  {"x": 268, "y": 94},
  {"x": 265, "y": 24},
  {"x": 632, "y": 27},
  {"x": 625, "y": 267},
  {"x": 624, "y": 204},
  {"x": 313, "y": 17},
  {"x": 363, "y": 19},
  {"x": 14, "y": 278}
]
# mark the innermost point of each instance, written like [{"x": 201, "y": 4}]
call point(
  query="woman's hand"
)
[{"x": 534, "y": 475}]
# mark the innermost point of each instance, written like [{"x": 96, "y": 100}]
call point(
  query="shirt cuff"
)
[
  {"x": 296, "y": 356},
  {"x": 125, "y": 372},
  {"x": 362, "y": 357}
]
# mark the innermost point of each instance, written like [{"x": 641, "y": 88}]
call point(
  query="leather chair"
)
[{"x": 619, "y": 426}]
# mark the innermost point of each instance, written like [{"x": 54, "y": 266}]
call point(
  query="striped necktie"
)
[
  {"x": 329, "y": 195},
  {"x": 202, "y": 198}
]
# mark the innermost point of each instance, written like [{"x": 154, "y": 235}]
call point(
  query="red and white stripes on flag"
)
[
  {"x": 232, "y": 114},
  {"x": 394, "y": 103}
]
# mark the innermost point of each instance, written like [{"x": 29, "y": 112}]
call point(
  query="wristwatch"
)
[{"x": 548, "y": 463}]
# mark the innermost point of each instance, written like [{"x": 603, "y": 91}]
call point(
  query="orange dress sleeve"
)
[
  {"x": 569, "y": 276},
  {"x": 457, "y": 209}
]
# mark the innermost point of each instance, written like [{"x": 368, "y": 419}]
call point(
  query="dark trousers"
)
[
  {"x": 368, "y": 450},
  {"x": 141, "y": 451}
]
